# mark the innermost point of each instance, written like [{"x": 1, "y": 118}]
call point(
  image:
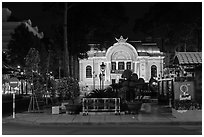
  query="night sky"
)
[{"x": 42, "y": 19}]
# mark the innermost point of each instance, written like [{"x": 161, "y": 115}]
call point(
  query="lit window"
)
[
  {"x": 121, "y": 66},
  {"x": 113, "y": 65},
  {"x": 128, "y": 65},
  {"x": 88, "y": 72}
]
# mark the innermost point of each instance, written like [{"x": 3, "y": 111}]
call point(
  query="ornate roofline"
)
[{"x": 121, "y": 40}]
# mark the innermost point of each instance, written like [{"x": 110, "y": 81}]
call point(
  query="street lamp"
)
[
  {"x": 18, "y": 67},
  {"x": 103, "y": 70},
  {"x": 22, "y": 78},
  {"x": 100, "y": 78}
]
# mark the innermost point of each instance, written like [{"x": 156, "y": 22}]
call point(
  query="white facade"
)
[{"x": 143, "y": 59}]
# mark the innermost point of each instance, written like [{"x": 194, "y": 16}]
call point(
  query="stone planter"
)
[
  {"x": 187, "y": 115},
  {"x": 55, "y": 110},
  {"x": 134, "y": 107}
]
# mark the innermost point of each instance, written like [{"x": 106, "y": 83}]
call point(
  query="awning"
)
[{"x": 189, "y": 57}]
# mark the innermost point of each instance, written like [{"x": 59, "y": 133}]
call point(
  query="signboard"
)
[
  {"x": 184, "y": 95},
  {"x": 184, "y": 90},
  {"x": 13, "y": 82}
]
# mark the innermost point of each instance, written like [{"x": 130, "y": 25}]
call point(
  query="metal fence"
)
[
  {"x": 101, "y": 105},
  {"x": 166, "y": 91}
]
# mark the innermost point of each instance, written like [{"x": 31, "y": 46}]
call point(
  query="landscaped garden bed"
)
[{"x": 187, "y": 110}]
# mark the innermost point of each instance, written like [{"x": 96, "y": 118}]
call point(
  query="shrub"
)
[
  {"x": 106, "y": 93},
  {"x": 67, "y": 88},
  {"x": 187, "y": 105},
  {"x": 132, "y": 86}
]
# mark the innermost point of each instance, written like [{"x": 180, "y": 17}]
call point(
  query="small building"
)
[
  {"x": 142, "y": 58},
  {"x": 187, "y": 62}
]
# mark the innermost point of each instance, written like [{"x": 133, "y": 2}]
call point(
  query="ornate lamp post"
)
[
  {"x": 102, "y": 66},
  {"x": 100, "y": 78}
]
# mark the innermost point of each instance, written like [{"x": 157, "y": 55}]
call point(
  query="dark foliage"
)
[
  {"x": 176, "y": 24},
  {"x": 21, "y": 41},
  {"x": 127, "y": 74},
  {"x": 187, "y": 105},
  {"x": 67, "y": 89},
  {"x": 88, "y": 22},
  {"x": 106, "y": 93},
  {"x": 132, "y": 87}
]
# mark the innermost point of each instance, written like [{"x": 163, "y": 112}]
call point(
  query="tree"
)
[
  {"x": 68, "y": 89},
  {"x": 34, "y": 77},
  {"x": 32, "y": 68},
  {"x": 127, "y": 74},
  {"x": 21, "y": 41},
  {"x": 93, "y": 22},
  {"x": 176, "y": 25},
  {"x": 88, "y": 22},
  {"x": 132, "y": 86},
  {"x": 24, "y": 43},
  {"x": 55, "y": 51}
]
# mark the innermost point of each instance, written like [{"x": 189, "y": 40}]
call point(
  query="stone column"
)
[
  {"x": 133, "y": 67},
  {"x": 142, "y": 69},
  {"x": 125, "y": 65},
  {"x": 137, "y": 66},
  {"x": 108, "y": 70}
]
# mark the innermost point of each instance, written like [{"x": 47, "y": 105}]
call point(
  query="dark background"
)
[{"x": 44, "y": 19}]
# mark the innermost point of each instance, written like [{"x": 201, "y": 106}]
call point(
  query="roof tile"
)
[{"x": 189, "y": 57}]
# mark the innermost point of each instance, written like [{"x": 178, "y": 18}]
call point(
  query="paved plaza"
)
[{"x": 158, "y": 115}]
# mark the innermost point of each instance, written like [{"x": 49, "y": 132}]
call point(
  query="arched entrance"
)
[{"x": 120, "y": 56}]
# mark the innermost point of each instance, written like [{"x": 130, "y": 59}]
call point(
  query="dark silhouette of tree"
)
[
  {"x": 21, "y": 41},
  {"x": 14, "y": 18},
  {"x": 32, "y": 61},
  {"x": 132, "y": 86},
  {"x": 127, "y": 74},
  {"x": 175, "y": 25},
  {"x": 86, "y": 23}
]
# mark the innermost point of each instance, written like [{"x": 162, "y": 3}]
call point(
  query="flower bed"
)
[{"x": 187, "y": 110}]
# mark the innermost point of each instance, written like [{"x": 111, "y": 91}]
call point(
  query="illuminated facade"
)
[{"x": 145, "y": 59}]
